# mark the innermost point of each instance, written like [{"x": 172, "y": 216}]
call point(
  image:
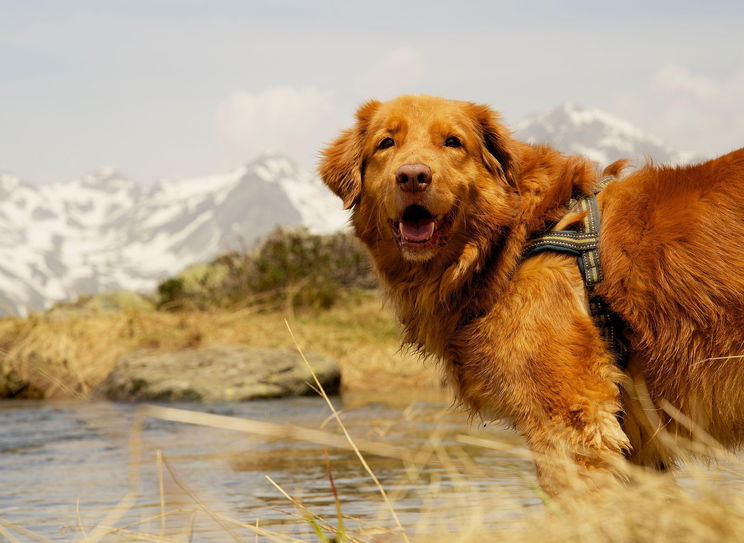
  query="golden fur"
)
[{"x": 515, "y": 335}]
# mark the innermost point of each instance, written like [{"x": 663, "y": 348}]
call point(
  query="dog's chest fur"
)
[{"x": 500, "y": 341}]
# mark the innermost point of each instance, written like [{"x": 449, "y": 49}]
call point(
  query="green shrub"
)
[
  {"x": 288, "y": 266},
  {"x": 170, "y": 292}
]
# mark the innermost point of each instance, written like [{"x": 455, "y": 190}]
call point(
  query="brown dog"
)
[{"x": 445, "y": 199}]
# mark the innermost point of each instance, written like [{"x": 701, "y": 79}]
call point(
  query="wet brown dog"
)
[{"x": 445, "y": 199}]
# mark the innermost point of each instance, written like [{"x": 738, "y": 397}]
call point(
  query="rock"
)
[{"x": 217, "y": 374}]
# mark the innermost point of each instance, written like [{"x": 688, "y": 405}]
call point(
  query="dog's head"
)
[{"x": 423, "y": 175}]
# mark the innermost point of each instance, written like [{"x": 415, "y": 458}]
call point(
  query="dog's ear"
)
[
  {"x": 498, "y": 149},
  {"x": 342, "y": 161}
]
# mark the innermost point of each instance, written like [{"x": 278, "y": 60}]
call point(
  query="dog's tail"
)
[{"x": 616, "y": 168}]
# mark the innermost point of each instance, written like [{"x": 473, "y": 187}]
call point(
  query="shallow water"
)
[{"x": 65, "y": 466}]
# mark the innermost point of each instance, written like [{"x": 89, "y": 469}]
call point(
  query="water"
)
[{"x": 65, "y": 467}]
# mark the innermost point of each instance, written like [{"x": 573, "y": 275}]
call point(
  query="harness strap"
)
[{"x": 585, "y": 245}]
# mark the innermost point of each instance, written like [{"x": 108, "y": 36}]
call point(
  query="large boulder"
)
[{"x": 217, "y": 374}]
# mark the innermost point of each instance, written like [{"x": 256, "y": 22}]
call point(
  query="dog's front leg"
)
[
  {"x": 536, "y": 357},
  {"x": 560, "y": 375}
]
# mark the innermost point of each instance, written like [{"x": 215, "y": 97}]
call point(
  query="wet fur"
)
[{"x": 515, "y": 336}]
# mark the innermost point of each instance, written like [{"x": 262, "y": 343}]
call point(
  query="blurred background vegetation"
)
[{"x": 290, "y": 266}]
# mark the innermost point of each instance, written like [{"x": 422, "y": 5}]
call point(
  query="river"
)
[{"x": 66, "y": 469}]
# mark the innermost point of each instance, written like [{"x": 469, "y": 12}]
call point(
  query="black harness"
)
[{"x": 584, "y": 243}]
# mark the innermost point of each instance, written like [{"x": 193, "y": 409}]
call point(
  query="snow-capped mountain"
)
[
  {"x": 597, "y": 135},
  {"x": 106, "y": 232}
]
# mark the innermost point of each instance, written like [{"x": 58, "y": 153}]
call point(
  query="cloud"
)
[
  {"x": 674, "y": 80},
  {"x": 282, "y": 118},
  {"x": 693, "y": 112},
  {"x": 297, "y": 121},
  {"x": 397, "y": 72}
]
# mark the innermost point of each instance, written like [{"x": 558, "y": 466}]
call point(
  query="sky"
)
[{"x": 172, "y": 89}]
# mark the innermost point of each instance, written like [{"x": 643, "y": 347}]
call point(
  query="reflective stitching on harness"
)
[{"x": 585, "y": 245}]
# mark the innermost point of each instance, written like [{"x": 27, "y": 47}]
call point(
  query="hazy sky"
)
[{"x": 163, "y": 88}]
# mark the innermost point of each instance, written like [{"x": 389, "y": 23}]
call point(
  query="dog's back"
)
[{"x": 673, "y": 254}]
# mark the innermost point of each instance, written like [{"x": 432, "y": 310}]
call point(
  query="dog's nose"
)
[{"x": 413, "y": 177}]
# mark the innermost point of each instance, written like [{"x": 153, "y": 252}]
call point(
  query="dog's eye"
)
[
  {"x": 453, "y": 141},
  {"x": 387, "y": 142}
]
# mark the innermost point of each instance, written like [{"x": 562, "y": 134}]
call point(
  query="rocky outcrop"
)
[{"x": 217, "y": 374}]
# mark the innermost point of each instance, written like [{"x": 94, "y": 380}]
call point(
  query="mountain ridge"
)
[
  {"x": 596, "y": 134},
  {"x": 104, "y": 231}
]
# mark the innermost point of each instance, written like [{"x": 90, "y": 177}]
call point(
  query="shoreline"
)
[{"x": 67, "y": 354}]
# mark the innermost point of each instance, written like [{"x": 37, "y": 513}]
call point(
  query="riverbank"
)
[{"x": 66, "y": 354}]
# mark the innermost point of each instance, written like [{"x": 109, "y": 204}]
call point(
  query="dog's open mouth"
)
[{"x": 417, "y": 228}]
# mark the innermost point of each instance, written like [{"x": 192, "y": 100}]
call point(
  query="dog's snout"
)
[{"x": 413, "y": 177}]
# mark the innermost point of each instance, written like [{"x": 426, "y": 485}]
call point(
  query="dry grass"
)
[{"x": 66, "y": 354}]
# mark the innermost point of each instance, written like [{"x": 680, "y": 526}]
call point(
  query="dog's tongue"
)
[{"x": 417, "y": 231}]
